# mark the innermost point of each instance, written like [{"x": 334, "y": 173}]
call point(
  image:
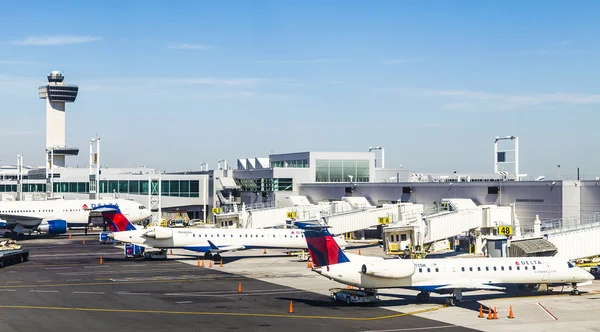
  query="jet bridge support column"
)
[{"x": 154, "y": 199}]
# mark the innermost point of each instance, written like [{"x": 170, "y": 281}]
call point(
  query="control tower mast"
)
[{"x": 57, "y": 93}]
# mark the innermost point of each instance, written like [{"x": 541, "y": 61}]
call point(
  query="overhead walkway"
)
[{"x": 574, "y": 238}]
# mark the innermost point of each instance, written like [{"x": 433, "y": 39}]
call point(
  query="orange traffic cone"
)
[
  {"x": 198, "y": 262},
  {"x": 510, "y": 313},
  {"x": 240, "y": 287},
  {"x": 359, "y": 251},
  {"x": 210, "y": 264},
  {"x": 264, "y": 251},
  {"x": 310, "y": 265},
  {"x": 171, "y": 252},
  {"x": 83, "y": 242},
  {"x": 291, "y": 308},
  {"x": 490, "y": 314},
  {"x": 480, "y": 311},
  {"x": 70, "y": 236},
  {"x": 100, "y": 260},
  {"x": 221, "y": 262},
  {"x": 495, "y": 313},
  {"x": 202, "y": 262}
]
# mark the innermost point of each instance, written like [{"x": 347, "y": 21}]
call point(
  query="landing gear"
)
[
  {"x": 210, "y": 256},
  {"x": 455, "y": 299},
  {"x": 423, "y": 297},
  {"x": 575, "y": 291},
  {"x": 451, "y": 301}
]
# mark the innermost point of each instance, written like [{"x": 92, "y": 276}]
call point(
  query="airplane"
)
[
  {"x": 55, "y": 216},
  {"x": 211, "y": 241},
  {"x": 443, "y": 276}
]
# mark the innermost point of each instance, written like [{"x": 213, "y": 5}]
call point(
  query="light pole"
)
[
  {"x": 382, "y": 155},
  {"x": 558, "y": 171}
]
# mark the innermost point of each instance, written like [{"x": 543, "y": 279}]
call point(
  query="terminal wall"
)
[
  {"x": 531, "y": 198},
  {"x": 590, "y": 197}
]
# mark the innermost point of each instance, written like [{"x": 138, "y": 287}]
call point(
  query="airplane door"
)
[{"x": 546, "y": 274}]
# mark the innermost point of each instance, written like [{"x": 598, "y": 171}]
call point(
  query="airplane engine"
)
[
  {"x": 390, "y": 268},
  {"x": 55, "y": 226},
  {"x": 160, "y": 233}
]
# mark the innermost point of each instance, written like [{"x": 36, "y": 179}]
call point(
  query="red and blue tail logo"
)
[
  {"x": 322, "y": 246},
  {"x": 114, "y": 218}
]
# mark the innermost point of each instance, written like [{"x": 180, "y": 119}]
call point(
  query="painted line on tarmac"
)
[
  {"x": 8, "y": 290},
  {"x": 208, "y": 313},
  {"x": 184, "y": 302},
  {"x": 547, "y": 311},
  {"x": 128, "y": 293},
  {"x": 99, "y": 283},
  {"x": 241, "y": 294},
  {"x": 232, "y": 291},
  {"x": 94, "y": 293},
  {"x": 43, "y": 291},
  {"x": 415, "y": 328}
]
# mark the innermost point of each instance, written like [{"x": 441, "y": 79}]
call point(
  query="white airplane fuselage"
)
[
  {"x": 196, "y": 239},
  {"x": 75, "y": 212},
  {"x": 429, "y": 274}
]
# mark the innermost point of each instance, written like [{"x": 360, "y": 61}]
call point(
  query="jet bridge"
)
[
  {"x": 572, "y": 238},
  {"x": 459, "y": 216}
]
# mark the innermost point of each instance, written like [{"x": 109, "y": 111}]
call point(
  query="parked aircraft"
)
[
  {"x": 210, "y": 241},
  {"x": 55, "y": 216},
  {"x": 443, "y": 276}
]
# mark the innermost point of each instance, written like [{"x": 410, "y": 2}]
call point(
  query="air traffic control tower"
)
[{"x": 57, "y": 93}]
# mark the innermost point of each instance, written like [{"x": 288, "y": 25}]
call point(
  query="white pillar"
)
[
  {"x": 517, "y": 159},
  {"x": 496, "y": 156},
  {"x": 205, "y": 198},
  {"x": 382, "y": 158},
  {"x": 98, "y": 168},
  {"x": 537, "y": 226}
]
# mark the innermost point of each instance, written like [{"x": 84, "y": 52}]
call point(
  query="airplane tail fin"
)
[
  {"x": 114, "y": 218},
  {"x": 322, "y": 247}
]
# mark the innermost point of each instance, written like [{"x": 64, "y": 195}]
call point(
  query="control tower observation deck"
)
[{"x": 57, "y": 93}]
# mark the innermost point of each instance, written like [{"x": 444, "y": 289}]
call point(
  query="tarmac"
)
[
  {"x": 532, "y": 311},
  {"x": 66, "y": 286}
]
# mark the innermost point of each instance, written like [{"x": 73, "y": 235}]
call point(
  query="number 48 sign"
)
[{"x": 505, "y": 230}]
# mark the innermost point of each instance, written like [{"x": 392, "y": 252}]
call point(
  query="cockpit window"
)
[
  {"x": 571, "y": 265},
  {"x": 142, "y": 207}
]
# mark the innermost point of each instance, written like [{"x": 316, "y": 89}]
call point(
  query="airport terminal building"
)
[{"x": 320, "y": 176}]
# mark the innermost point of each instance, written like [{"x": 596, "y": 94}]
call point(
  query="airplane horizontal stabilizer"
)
[{"x": 470, "y": 286}]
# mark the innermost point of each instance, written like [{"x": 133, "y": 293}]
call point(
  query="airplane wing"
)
[
  {"x": 20, "y": 219},
  {"x": 470, "y": 286},
  {"x": 215, "y": 249}
]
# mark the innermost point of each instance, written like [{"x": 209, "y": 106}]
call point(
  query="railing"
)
[{"x": 564, "y": 224}]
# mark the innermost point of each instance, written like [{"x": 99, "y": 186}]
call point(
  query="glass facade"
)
[
  {"x": 303, "y": 163},
  {"x": 277, "y": 184},
  {"x": 177, "y": 188},
  {"x": 341, "y": 170}
]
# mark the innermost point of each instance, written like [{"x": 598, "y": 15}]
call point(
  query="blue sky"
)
[{"x": 432, "y": 81}]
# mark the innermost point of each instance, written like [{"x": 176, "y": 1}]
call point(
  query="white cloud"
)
[
  {"x": 12, "y": 132},
  {"x": 56, "y": 40},
  {"x": 484, "y": 101},
  {"x": 16, "y": 62},
  {"x": 301, "y": 61},
  {"x": 400, "y": 61},
  {"x": 188, "y": 46}
]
